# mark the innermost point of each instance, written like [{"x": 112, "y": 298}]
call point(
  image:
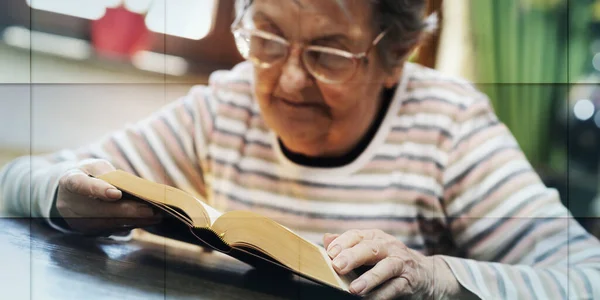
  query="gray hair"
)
[{"x": 403, "y": 19}]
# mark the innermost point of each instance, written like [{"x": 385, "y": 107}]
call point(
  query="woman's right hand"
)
[{"x": 93, "y": 206}]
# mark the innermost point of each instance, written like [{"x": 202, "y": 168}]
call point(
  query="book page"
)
[
  {"x": 343, "y": 280},
  {"x": 247, "y": 229},
  {"x": 213, "y": 214},
  {"x": 162, "y": 195}
]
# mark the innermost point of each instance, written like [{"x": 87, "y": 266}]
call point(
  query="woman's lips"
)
[
  {"x": 299, "y": 111},
  {"x": 297, "y": 104}
]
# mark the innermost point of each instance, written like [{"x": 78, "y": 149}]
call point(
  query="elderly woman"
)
[{"x": 327, "y": 128}]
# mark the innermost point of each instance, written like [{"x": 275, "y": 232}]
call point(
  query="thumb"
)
[
  {"x": 79, "y": 182},
  {"x": 96, "y": 167},
  {"x": 328, "y": 238}
]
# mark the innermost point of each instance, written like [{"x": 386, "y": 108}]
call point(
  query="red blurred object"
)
[{"x": 120, "y": 33}]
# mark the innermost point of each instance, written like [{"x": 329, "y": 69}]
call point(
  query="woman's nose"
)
[{"x": 294, "y": 77}]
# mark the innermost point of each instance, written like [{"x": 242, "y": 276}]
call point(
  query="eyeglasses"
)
[{"x": 326, "y": 64}]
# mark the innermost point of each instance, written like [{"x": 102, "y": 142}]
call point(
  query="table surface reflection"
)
[{"x": 37, "y": 262}]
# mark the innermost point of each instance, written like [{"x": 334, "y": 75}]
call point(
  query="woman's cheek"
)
[
  {"x": 265, "y": 81},
  {"x": 339, "y": 97}
]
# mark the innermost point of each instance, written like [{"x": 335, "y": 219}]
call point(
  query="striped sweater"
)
[{"x": 442, "y": 174}]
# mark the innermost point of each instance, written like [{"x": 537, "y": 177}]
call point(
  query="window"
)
[{"x": 191, "y": 19}]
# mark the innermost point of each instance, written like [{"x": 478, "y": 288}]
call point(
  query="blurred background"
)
[{"x": 74, "y": 70}]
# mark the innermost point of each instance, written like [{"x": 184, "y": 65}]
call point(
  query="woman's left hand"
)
[{"x": 399, "y": 271}]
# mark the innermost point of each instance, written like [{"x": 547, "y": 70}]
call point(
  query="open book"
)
[{"x": 249, "y": 237}]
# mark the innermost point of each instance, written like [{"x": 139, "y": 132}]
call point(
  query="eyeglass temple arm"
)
[
  {"x": 238, "y": 19},
  {"x": 380, "y": 37},
  {"x": 375, "y": 42}
]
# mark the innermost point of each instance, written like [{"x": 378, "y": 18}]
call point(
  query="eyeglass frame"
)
[{"x": 356, "y": 58}]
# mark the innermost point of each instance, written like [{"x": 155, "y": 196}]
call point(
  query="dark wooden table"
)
[{"x": 37, "y": 262}]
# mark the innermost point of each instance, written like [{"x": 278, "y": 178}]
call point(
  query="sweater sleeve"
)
[
  {"x": 517, "y": 239},
  {"x": 167, "y": 147}
]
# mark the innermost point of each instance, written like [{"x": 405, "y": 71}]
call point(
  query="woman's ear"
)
[
  {"x": 393, "y": 77},
  {"x": 401, "y": 56}
]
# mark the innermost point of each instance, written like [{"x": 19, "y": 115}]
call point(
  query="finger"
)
[
  {"x": 348, "y": 239},
  {"x": 95, "y": 208},
  {"x": 110, "y": 225},
  {"x": 102, "y": 224},
  {"x": 96, "y": 167},
  {"x": 393, "y": 289},
  {"x": 77, "y": 182},
  {"x": 388, "y": 268},
  {"x": 328, "y": 238},
  {"x": 367, "y": 252}
]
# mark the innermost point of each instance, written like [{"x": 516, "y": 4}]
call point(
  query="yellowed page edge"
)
[
  {"x": 343, "y": 280},
  {"x": 213, "y": 214}
]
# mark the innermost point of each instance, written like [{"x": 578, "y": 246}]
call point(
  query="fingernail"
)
[
  {"x": 340, "y": 263},
  {"x": 357, "y": 286},
  {"x": 113, "y": 193},
  {"x": 334, "y": 251}
]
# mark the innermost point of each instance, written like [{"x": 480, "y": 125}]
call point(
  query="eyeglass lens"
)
[{"x": 320, "y": 63}]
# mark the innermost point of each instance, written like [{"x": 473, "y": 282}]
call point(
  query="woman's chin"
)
[{"x": 304, "y": 144}]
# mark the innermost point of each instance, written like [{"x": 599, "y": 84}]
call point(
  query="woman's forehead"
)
[
  {"x": 352, "y": 16},
  {"x": 340, "y": 12}
]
